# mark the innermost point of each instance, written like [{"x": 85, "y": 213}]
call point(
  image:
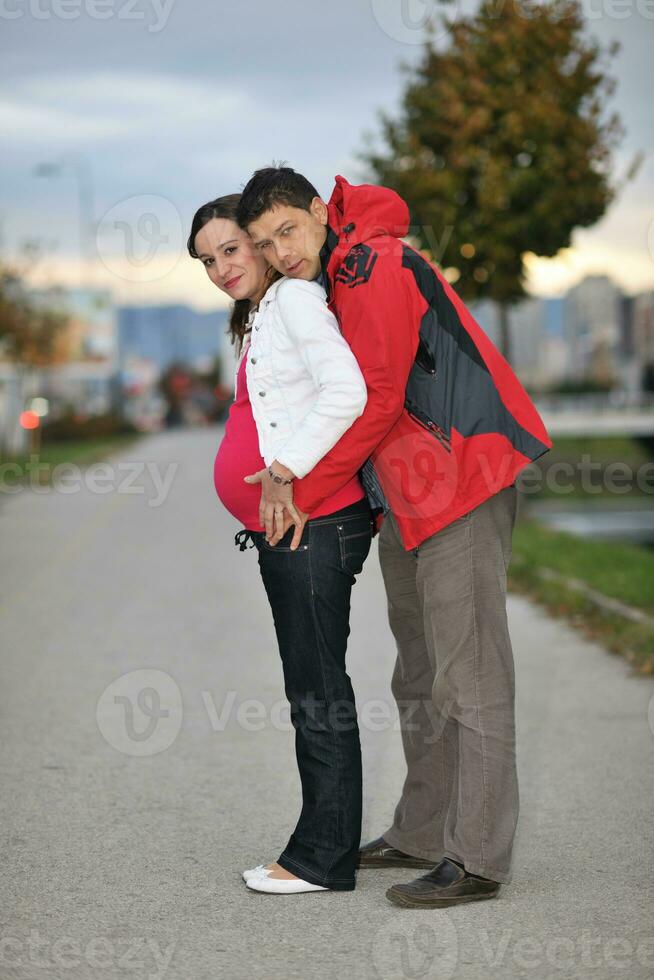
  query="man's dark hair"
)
[{"x": 270, "y": 187}]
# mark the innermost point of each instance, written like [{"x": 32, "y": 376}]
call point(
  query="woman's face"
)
[{"x": 232, "y": 264}]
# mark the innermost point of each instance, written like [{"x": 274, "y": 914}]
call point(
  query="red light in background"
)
[{"x": 29, "y": 420}]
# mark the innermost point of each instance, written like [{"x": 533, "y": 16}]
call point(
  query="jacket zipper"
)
[{"x": 432, "y": 427}]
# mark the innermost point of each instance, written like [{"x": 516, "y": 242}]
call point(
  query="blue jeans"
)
[{"x": 309, "y": 593}]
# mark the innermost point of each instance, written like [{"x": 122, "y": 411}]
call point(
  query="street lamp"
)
[{"x": 84, "y": 178}]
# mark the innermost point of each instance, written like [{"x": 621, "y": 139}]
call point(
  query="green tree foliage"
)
[{"x": 503, "y": 145}]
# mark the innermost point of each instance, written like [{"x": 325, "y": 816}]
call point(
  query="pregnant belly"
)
[{"x": 235, "y": 460}]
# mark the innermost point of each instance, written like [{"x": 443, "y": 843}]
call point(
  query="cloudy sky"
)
[{"x": 152, "y": 107}]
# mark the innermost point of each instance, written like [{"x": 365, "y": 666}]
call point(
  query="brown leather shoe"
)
[
  {"x": 447, "y": 884},
  {"x": 379, "y": 854}
]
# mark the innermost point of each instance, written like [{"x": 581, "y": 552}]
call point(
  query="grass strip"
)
[{"x": 543, "y": 563}]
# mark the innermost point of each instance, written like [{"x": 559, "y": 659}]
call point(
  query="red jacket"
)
[{"x": 447, "y": 424}]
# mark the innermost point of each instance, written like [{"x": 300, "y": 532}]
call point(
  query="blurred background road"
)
[{"x": 126, "y": 823}]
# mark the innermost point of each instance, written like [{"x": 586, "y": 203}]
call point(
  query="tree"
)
[
  {"x": 502, "y": 147},
  {"x": 29, "y": 327}
]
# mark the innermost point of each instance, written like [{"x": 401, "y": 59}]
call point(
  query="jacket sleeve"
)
[
  {"x": 314, "y": 330},
  {"x": 378, "y": 320}
]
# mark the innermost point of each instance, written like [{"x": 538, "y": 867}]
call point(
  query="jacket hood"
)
[{"x": 372, "y": 210}]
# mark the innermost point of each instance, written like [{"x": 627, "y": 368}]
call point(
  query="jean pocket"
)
[
  {"x": 354, "y": 538},
  {"x": 284, "y": 544}
]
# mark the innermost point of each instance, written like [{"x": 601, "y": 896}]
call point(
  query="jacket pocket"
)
[{"x": 424, "y": 358}]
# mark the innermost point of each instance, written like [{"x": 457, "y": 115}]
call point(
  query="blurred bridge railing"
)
[{"x": 598, "y": 414}]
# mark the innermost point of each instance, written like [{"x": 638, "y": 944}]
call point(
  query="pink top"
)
[{"x": 238, "y": 456}]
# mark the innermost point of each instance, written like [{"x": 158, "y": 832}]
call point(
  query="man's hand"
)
[{"x": 275, "y": 499}]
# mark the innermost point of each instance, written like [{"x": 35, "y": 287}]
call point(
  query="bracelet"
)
[{"x": 276, "y": 478}]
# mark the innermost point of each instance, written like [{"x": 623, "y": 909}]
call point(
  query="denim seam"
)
[
  {"x": 341, "y": 547},
  {"x": 284, "y": 549},
  {"x": 330, "y": 519},
  {"x": 482, "y": 840},
  {"x": 342, "y": 544},
  {"x": 345, "y": 881},
  {"x": 324, "y": 688}
]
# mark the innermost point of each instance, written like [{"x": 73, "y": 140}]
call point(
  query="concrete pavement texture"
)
[{"x": 147, "y": 759}]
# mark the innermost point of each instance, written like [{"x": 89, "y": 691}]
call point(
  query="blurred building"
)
[
  {"x": 538, "y": 354},
  {"x": 163, "y": 335},
  {"x": 536, "y": 351},
  {"x": 593, "y": 330},
  {"x": 642, "y": 336}
]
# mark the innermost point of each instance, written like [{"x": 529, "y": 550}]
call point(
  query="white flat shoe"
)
[
  {"x": 253, "y": 872},
  {"x": 262, "y": 882}
]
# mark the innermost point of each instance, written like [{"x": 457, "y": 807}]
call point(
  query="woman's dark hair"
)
[{"x": 226, "y": 207}]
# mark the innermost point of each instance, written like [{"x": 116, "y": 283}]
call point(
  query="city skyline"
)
[{"x": 593, "y": 332}]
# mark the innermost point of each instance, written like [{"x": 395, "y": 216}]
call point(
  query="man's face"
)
[{"x": 291, "y": 238}]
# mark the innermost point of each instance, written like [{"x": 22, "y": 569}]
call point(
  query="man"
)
[{"x": 446, "y": 430}]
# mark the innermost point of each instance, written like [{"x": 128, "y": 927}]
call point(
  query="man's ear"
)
[{"x": 318, "y": 209}]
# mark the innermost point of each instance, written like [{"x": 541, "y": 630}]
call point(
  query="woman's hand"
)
[
  {"x": 276, "y": 498},
  {"x": 299, "y": 527}
]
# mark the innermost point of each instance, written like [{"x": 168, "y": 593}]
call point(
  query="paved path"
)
[{"x": 120, "y": 865}]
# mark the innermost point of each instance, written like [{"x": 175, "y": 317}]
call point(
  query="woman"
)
[{"x": 308, "y": 389}]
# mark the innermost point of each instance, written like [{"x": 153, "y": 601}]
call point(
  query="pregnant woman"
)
[{"x": 293, "y": 360}]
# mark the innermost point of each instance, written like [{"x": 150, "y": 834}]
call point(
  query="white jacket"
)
[{"x": 304, "y": 383}]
